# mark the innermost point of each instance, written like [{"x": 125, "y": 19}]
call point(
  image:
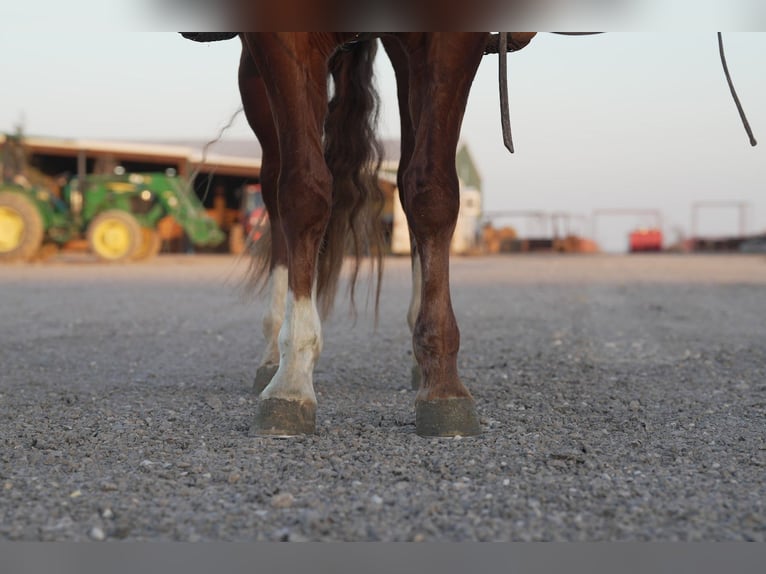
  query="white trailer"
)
[{"x": 465, "y": 240}]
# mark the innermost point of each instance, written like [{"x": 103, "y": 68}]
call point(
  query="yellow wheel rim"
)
[
  {"x": 11, "y": 229},
  {"x": 111, "y": 239}
]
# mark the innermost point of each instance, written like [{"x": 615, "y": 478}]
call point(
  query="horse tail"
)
[{"x": 353, "y": 156}]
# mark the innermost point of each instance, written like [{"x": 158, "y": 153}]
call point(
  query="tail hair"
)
[{"x": 353, "y": 155}]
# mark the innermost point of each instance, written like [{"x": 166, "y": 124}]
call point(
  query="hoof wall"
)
[
  {"x": 263, "y": 377},
  {"x": 280, "y": 417},
  {"x": 447, "y": 417},
  {"x": 417, "y": 377}
]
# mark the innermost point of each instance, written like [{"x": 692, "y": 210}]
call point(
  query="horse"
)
[
  {"x": 318, "y": 183},
  {"x": 318, "y": 180}
]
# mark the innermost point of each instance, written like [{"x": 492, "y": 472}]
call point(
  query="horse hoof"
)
[
  {"x": 447, "y": 417},
  {"x": 263, "y": 377},
  {"x": 280, "y": 417},
  {"x": 417, "y": 377}
]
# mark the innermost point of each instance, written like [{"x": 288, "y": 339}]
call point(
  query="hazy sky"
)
[{"x": 621, "y": 120}]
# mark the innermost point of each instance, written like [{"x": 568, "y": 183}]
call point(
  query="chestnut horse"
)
[
  {"x": 318, "y": 182},
  {"x": 319, "y": 185}
]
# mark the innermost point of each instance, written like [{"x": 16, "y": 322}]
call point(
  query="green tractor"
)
[{"x": 117, "y": 214}]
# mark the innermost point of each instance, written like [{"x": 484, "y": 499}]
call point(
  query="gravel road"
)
[{"x": 622, "y": 398}]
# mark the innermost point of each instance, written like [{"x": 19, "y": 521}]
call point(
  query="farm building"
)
[{"x": 223, "y": 171}]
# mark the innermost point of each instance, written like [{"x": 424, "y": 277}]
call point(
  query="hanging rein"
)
[{"x": 505, "y": 42}]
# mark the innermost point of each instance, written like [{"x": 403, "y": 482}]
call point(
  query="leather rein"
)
[{"x": 503, "y": 42}]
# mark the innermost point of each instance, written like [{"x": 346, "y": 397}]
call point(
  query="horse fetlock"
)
[
  {"x": 440, "y": 386},
  {"x": 436, "y": 376},
  {"x": 290, "y": 384}
]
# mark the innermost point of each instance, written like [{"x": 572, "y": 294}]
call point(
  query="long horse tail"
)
[{"x": 353, "y": 155}]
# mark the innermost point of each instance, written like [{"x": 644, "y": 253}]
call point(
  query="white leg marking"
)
[
  {"x": 300, "y": 342},
  {"x": 275, "y": 315}
]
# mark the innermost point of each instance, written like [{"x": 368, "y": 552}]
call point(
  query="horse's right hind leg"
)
[
  {"x": 442, "y": 66},
  {"x": 399, "y": 62},
  {"x": 258, "y": 112},
  {"x": 298, "y": 93}
]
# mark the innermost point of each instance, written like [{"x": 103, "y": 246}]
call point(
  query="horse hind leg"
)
[
  {"x": 440, "y": 80},
  {"x": 399, "y": 61},
  {"x": 287, "y": 405},
  {"x": 258, "y": 113},
  {"x": 443, "y": 405}
]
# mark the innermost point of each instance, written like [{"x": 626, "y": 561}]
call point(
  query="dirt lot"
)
[{"x": 622, "y": 398}]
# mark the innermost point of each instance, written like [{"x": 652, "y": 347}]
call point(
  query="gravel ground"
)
[{"x": 622, "y": 398}]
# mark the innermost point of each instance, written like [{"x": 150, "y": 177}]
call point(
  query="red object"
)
[
  {"x": 255, "y": 223},
  {"x": 253, "y": 212},
  {"x": 646, "y": 240}
]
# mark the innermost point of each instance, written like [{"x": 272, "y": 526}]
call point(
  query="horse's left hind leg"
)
[
  {"x": 298, "y": 96},
  {"x": 255, "y": 102}
]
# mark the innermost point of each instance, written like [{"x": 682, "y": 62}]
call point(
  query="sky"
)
[{"x": 614, "y": 121}]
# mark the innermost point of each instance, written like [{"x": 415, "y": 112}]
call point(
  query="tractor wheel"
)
[
  {"x": 21, "y": 227},
  {"x": 150, "y": 244},
  {"x": 114, "y": 235}
]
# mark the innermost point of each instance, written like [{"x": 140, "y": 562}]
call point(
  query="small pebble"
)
[
  {"x": 376, "y": 500},
  {"x": 97, "y": 534},
  {"x": 282, "y": 500},
  {"x": 234, "y": 478},
  {"x": 214, "y": 403}
]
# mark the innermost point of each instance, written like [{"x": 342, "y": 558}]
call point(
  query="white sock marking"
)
[
  {"x": 275, "y": 315},
  {"x": 300, "y": 342}
]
